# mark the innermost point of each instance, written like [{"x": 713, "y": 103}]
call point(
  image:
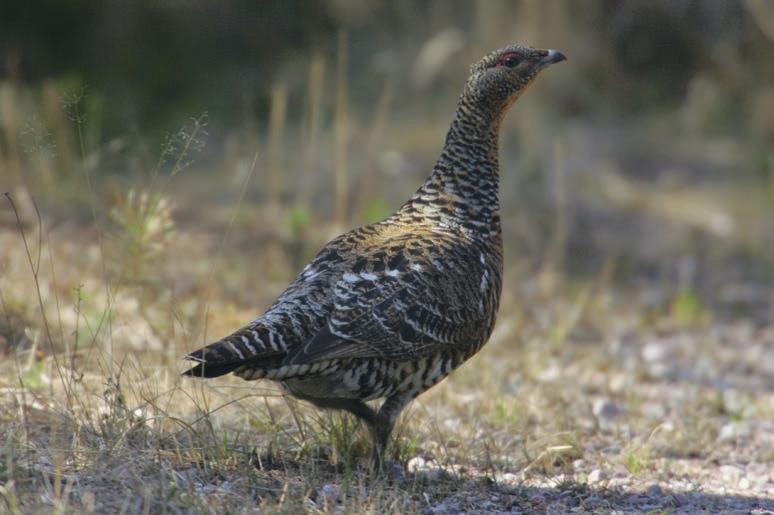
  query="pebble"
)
[
  {"x": 396, "y": 472},
  {"x": 734, "y": 401},
  {"x": 415, "y": 463},
  {"x": 508, "y": 478},
  {"x": 595, "y": 476},
  {"x": 727, "y": 433},
  {"x": 551, "y": 373},
  {"x": 605, "y": 409},
  {"x": 606, "y": 413},
  {"x": 452, "y": 423},
  {"x": 655, "y": 351},
  {"x": 426, "y": 469},
  {"x": 330, "y": 492},
  {"x": 619, "y": 481},
  {"x": 653, "y": 410},
  {"x": 733, "y": 430},
  {"x": 730, "y": 474},
  {"x": 654, "y": 491},
  {"x": 437, "y": 509}
]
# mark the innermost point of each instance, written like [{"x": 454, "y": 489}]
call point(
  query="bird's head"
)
[{"x": 497, "y": 80}]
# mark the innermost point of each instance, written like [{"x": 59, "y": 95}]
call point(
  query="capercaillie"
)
[{"x": 388, "y": 310}]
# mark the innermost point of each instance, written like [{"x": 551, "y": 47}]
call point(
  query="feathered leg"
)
[{"x": 384, "y": 423}]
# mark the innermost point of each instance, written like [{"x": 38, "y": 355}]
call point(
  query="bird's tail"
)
[{"x": 249, "y": 347}]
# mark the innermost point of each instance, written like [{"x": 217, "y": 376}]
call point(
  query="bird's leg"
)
[
  {"x": 358, "y": 408},
  {"x": 385, "y": 421},
  {"x": 355, "y": 406}
]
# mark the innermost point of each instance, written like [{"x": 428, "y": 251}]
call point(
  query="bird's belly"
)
[
  {"x": 373, "y": 378},
  {"x": 363, "y": 379}
]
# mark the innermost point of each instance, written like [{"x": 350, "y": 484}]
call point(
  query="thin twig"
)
[{"x": 46, "y": 326}]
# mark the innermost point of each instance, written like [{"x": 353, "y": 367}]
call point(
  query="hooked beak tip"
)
[{"x": 554, "y": 56}]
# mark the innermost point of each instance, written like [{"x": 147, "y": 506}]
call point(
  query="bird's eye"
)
[{"x": 509, "y": 60}]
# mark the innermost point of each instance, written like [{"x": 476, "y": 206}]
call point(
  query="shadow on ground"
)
[
  {"x": 581, "y": 497},
  {"x": 575, "y": 497}
]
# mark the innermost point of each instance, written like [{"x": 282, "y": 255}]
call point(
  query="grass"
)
[{"x": 636, "y": 459}]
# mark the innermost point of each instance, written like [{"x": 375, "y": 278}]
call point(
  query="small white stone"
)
[
  {"x": 509, "y": 478},
  {"x": 452, "y": 423},
  {"x": 734, "y": 401},
  {"x": 595, "y": 476},
  {"x": 416, "y": 463},
  {"x": 619, "y": 481},
  {"x": 550, "y": 373},
  {"x": 730, "y": 474},
  {"x": 727, "y": 432},
  {"x": 424, "y": 468},
  {"x": 655, "y": 351}
]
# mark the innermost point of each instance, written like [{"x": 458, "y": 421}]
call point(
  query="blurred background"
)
[{"x": 174, "y": 135}]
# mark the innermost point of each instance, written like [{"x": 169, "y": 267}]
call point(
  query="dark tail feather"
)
[
  {"x": 207, "y": 370},
  {"x": 244, "y": 347},
  {"x": 214, "y": 360}
]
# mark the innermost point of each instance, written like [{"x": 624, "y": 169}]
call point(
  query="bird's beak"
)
[{"x": 554, "y": 56}]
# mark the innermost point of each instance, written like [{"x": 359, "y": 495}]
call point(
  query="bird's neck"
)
[{"x": 463, "y": 188}]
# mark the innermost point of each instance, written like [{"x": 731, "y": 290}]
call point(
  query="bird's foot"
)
[{"x": 386, "y": 469}]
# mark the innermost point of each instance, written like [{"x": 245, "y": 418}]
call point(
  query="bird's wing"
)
[
  {"x": 295, "y": 317},
  {"x": 401, "y": 306}
]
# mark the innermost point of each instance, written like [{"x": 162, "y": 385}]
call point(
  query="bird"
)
[{"x": 388, "y": 310}]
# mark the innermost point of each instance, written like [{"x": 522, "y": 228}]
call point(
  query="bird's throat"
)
[{"x": 463, "y": 189}]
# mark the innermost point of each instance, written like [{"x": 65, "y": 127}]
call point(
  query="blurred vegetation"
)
[{"x": 155, "y": 63}]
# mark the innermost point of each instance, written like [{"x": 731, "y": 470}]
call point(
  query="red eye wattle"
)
[{"x": 510, "y": 60}]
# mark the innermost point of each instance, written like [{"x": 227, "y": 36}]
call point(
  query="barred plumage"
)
[{"x": 390, "y": 309}]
